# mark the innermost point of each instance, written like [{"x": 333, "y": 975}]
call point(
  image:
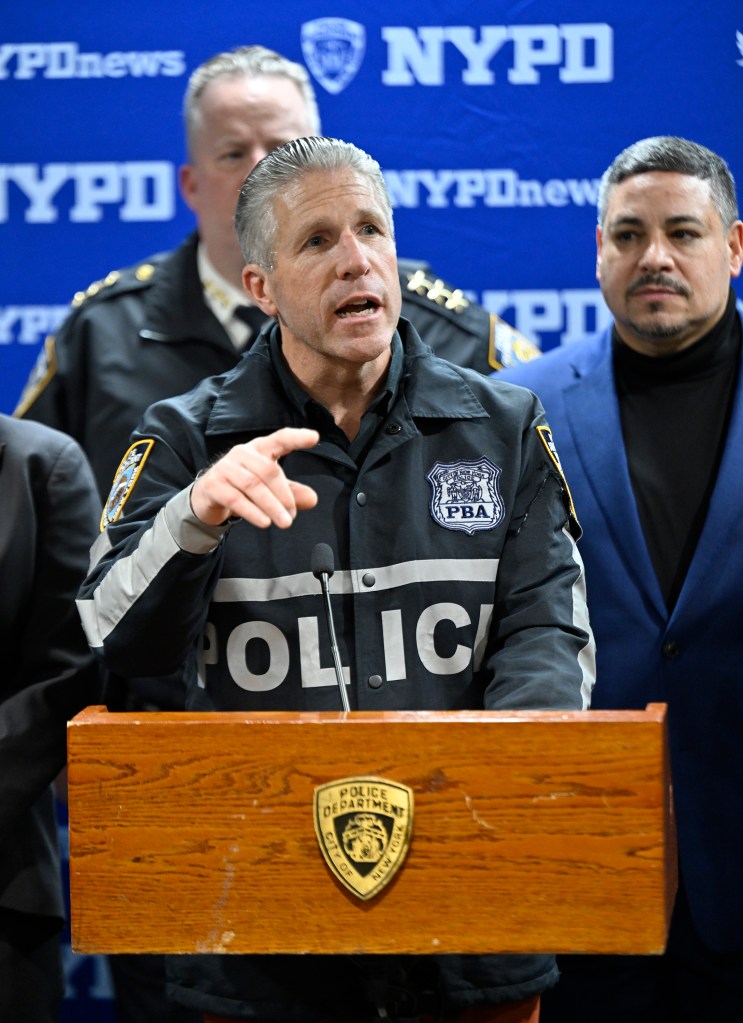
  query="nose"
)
[
  {"x": 657, "y": 254},
  {"x": 257, "y": 153},
  {"x": 353, "y": 260}
]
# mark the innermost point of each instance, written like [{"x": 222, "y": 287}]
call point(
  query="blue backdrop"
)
[{"x": 492, "y": 121}]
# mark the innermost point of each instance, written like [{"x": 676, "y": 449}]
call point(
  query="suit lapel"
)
[{"x": 592, "y": 414}]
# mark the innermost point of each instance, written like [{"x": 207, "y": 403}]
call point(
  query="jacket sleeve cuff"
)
[{"x": 191, "y": 534}]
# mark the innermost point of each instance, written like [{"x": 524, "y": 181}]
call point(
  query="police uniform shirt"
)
[
  {"x": 225, "y": 301},
  {"x": 320, "y": 419}
]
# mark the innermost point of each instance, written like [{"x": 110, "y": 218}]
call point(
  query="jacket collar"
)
[
  {"x": 174, "y": 306},
  {"x": 432, "y": 389}
]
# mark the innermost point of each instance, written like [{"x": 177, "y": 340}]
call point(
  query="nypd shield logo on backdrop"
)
[
  {"x": 465, "y": 495},
  {"x": 333, "y": 49}
]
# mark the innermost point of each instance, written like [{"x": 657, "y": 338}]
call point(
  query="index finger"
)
[{"x": 285, "y": 440}]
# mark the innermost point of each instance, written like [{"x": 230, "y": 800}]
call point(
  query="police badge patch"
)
[
  {"x": 545, "y": 435},
  {"x": 363, "y": 827},
  {"x": 124, "y": 480},
  {"x": 333, "y": 49},
  {"x": 465, "y": 495}
]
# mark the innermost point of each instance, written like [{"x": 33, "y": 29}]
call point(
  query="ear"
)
[
  {"x": 258, "y": 286},
  {"x": 187, "y": 184},
  {"x": 599, "y": 243},
  {"x": 735, "y": 246}
]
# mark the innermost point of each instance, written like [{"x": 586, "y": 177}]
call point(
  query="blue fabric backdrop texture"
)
[{"x": 492, "y": 121}]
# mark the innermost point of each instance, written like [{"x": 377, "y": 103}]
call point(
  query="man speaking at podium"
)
[{"x": 458, "y": 582}]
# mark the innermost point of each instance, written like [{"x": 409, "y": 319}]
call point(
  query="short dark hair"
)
[{"x": 669, "y": 153}]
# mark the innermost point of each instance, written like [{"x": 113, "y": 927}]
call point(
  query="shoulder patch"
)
[
  {"x": 124, "y": 480},
  {"x": 44, "y": 369},
  {"x": 465, "y": 495},
  {"x": 545, "y": 435},
  {"x": 508, "y": 346}
]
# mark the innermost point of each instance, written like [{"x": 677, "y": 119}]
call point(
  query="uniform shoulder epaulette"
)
[
  {"x": 506, "y": 346},
  {"x": 419, "y": 279},
  {"x": 117, "y": 281}
]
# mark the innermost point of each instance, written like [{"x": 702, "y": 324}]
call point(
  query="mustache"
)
[{"x": 658, "y": 281}]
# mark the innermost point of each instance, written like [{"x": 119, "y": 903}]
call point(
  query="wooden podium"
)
[{"x": 531, "y": 832}]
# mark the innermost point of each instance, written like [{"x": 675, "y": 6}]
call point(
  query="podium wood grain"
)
[{"x": 532, "y": 832}]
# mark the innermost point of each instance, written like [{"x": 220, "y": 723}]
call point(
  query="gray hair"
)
[
  {"x": 255, "y": 217},
  {"x": 248, "y": 62},
  {"x": 669, "y": 153}
]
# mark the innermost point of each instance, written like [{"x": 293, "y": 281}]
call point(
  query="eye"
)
[{"x": 232, "y": 155}]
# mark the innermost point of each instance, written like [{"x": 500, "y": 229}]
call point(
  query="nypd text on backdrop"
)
[
  {"x": 582, "y": 52},
  {"x": 145, "y": 190},
  {"x": 334, "y": 49},
  {"x": 491, "y": 187},
  {"x": 64, "y": 60}
]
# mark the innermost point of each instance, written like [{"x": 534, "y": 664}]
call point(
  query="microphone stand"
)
[{"x": 322, "y": 558}]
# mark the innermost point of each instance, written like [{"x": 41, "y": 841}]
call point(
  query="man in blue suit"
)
[{"x": 648, "y": 420}]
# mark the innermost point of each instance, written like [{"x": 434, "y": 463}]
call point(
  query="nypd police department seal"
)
[
  {"x": 333, "y": 50},
  {"x": 363, "y": 827},
  {"x": 465, "y": 495}
]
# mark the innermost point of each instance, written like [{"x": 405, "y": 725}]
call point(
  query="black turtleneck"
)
[{"x": 675, "y": 411}]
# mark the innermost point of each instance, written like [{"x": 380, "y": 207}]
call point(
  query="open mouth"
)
[{"x": 357, "y": 310}]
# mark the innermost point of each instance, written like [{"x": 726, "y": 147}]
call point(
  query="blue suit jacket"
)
[{"x": 691, "y": 659}]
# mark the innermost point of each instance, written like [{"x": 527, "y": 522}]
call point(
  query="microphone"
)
[{"x": 323, "y": 566}]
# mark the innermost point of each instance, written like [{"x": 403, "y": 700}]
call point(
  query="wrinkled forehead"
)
[{"x": 325, "y": 196}]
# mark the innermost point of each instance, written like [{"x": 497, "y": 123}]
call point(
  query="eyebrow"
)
[
  {"x": 367, "y": 213},
  {"x": 682, "y": 218},
  {"x": 323, "y": 221}
]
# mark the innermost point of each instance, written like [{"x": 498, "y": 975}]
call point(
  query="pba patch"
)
[
  {"x": 363, "y": 828},
  {"x": 545, "y": 435},
  {"x": 465, "y": 495},
  {"x": 124, "y": 480}
]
